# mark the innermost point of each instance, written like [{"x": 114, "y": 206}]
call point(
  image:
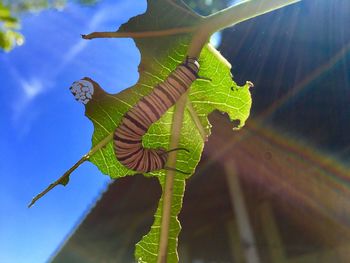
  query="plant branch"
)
[
  {"x": 169, "y": 178},
  {"x": 211, "y": 24},
  {"x": 144, "y": 34},
  {"x": 63, "y": 179},
  {"x": 231, "y": 16}
]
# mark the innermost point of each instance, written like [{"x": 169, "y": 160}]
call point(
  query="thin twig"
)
[
  {"x": 244, "y": 11},
  {"x": 169, "y": 178},
  {"x": 231, "y": 16},
  {"x": 144, "y": 34},
  {"x": 65, "y": 176}
]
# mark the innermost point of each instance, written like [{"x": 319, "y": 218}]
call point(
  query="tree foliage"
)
[
  {"x": 10, "y": 11},
  {"x": 9, "y": 24}
]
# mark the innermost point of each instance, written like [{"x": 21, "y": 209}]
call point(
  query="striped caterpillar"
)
[{"x": 135, "y": 123}]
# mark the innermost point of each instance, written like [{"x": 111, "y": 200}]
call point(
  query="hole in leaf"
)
[{"x": 236, "y": 123}]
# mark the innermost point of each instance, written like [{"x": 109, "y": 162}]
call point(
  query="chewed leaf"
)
[
  {"x": 161, "y": 123},
  {"x": 214, "y": 90},
  {"x": 159, "y": 57}
]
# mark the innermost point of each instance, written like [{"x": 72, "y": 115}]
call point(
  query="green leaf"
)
[
  {"x": 8, "y": 19},
  {"x": 8, "y": 22},
  {"x": 159, "y": 56},
  {"x": 9, "y": 39},
  {"x": 4, "y": 11}
]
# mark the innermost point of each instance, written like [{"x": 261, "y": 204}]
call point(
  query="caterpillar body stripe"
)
[{"x": 136, "y": 122}]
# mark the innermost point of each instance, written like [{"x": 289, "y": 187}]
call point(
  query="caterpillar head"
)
[
  {"x": 82, "y": 90},
  {"x": 192, "y": 63}
]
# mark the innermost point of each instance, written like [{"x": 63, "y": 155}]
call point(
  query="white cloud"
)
[
  {"x": 30, "y": 89},
  {"x": 80, "y": 45},
  {"x": 22, "y": 117},
  {"x": 33, "y": 87},
  {"x": 100, "y": 17}
]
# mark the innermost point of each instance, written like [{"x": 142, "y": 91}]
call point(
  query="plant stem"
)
[
  {"x": 66, "y": 175},
  {"x": 144, "y": 34},
  {"x": 169, "y": 178},
  {"x": 231, "y": 16},
  {"x": 211, "y": 24}
]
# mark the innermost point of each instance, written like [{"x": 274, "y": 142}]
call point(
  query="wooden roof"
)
[{"x": 307, "y": 192}]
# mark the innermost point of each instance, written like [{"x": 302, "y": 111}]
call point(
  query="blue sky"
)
[{"x": 43, "y": 130}]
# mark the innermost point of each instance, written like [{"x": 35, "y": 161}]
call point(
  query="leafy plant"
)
[
  {"x": 10, "y": 36},
  {"x": 165, "y": 34}
]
